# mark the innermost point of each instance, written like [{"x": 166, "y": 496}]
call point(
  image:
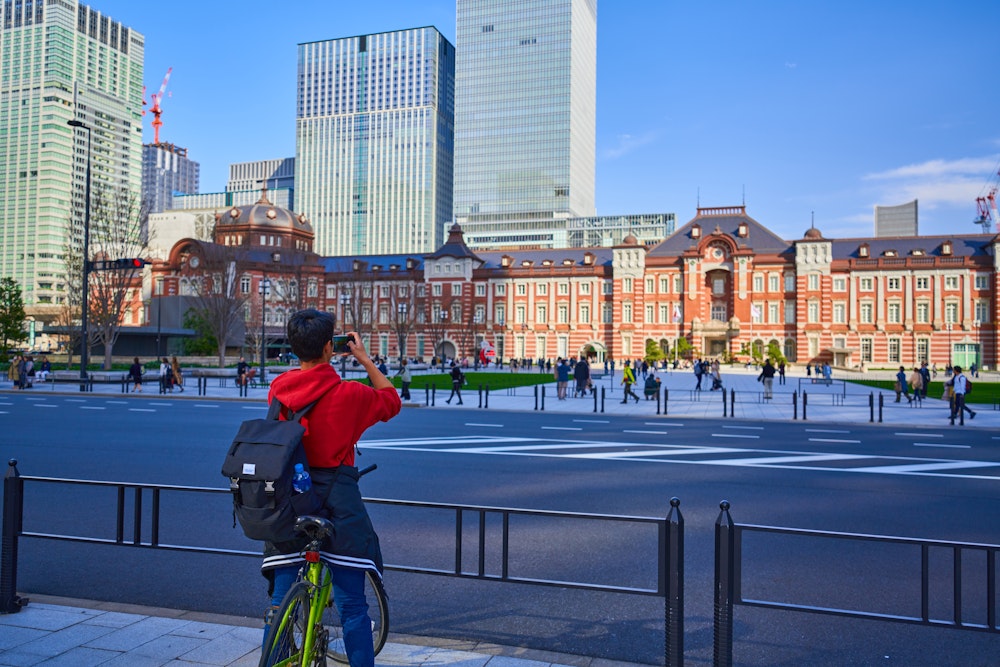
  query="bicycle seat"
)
[{"x": 316, "y": 527}]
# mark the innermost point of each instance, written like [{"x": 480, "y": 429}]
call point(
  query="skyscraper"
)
[
  {"x": 166, "y": 170},
  {"x": 60, "y": 61},
  {"x": 525, "y": 110},
  {"x": 374, "y": 141}
]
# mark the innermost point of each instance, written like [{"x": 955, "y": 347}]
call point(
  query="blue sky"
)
[{"x": 799, "y": 108}]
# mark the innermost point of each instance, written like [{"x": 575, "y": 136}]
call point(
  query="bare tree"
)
[
  {"x": 217, "y": 297},
  {"x": 402, "y": 313},
  {"x": 118, "y": 230}
]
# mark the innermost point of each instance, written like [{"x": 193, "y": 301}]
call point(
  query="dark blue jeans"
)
[{"x": 349, "y": 596}]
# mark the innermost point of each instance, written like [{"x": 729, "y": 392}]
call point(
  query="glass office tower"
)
[
  {"x": 374, "y": 141},
  {"x": 61, "y": 60},
  {"x": 525, "y": 110}
]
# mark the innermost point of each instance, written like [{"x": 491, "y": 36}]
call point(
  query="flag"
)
[{"x": 677, "y": 313}]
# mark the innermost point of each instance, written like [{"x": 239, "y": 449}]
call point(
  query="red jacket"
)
[{"x": 345, "y": 410}]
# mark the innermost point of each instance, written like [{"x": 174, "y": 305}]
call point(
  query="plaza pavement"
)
[{"x": 78, "y": 633}]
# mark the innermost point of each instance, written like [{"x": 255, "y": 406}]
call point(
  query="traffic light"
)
[{"x": 129, "y": 263}]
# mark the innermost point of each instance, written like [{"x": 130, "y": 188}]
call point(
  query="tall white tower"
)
[
  {"x": 374, "y": 141},
  {"x": 61, "y": 61},
  {"x": 525, "y": 110}
]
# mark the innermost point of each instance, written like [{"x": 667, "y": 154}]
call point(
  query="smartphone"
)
[{"x": 340, "y": 344}]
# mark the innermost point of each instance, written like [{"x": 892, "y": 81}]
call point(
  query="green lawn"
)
[{"x": 982, "y": 391}]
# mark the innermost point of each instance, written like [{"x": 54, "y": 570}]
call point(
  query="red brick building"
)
[{"x": 723, "y": 281}]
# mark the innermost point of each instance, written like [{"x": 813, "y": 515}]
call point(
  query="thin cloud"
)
[
  {"x": 938, "y": 168},
  {"x": 628, "y": 143},
  {"x": 935, "y": 183}
]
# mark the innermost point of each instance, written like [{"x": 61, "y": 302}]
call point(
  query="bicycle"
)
[{"x": 306, "y": 628}]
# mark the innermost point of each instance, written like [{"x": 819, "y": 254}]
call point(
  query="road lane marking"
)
[
  {"x": 255, "y": 407},
  {"x": 92, "y": 407},
  {"x": 45, "y": 405},
  {"x": 167, "y": 404},
  {"x": 662, "y": 424},
  {"x": 562, "y": 428},
  {"x": 652, "y": 452},
  {"x": 117, "y": 402},
  {"x": 920, "y": 435},
  {"x": 484, "y": 425},
  {"x": 772, "y": 460},
  {"x": 929, "y": 467},
  {"x": 825, "y": 430},
  {"x": 141, "y": 410},
  {"x": 592, "y": 421},
  {"x": 735, "y": 435},
  {"x": 746, "y": 428},
  {"x": 205, "y": 405},
  {"x": 76, "y": 400},
  {"x": 940, "y": 444},
  {"x": 650, "y": 432},
  {"x": 853, "y": 442}
]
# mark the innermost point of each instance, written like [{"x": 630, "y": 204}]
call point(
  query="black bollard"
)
[
  {"x": 795, "y": 405},
  {"x": 657, "y": 401},
  {"x": 881, "y": 404},
  {"x": 13, "y": 508},
  {"x": 543, "y": 398},
  {"x": 805, "y": 402},
  {"x": 536, "y": 396},
  {"x": 487, "y": 405},
  {"x": 871, "y": 407},
  {"x": 480, "y": 396},
  {"x": 674, "y": 578},
  {"x": 725, "y": 592},
  {"x": 666, "y": 399},
  {"x": 427, "y": 395},
  {"x": 732, "y": 402},
  {"x": 602, "y": 399},
  {"x": 724, "y": 406},
  {"x": 594, "y": 392},
  {"x": 434, "y": 391}
]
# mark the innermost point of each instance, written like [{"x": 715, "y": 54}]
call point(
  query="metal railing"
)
[
  {"x": 132, "y": 531},
  {"x": 729, "y": 578}
]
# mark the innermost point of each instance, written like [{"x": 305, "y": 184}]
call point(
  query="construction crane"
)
[
  {"x": 156, "y": 110},
  {"x": 987, "y": 208}
]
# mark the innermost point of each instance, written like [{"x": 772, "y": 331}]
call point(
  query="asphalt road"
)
[{"x": 928, "y": 483}]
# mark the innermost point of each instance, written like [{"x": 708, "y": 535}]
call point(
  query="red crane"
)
[
  {"x": 155, "y": 108},
  {"x": 987, "y": 208}
]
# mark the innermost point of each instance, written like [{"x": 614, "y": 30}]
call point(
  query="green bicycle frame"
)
[{"x": 317, "y": 576}]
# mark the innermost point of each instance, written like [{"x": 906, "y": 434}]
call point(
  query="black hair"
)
[{"x": 309, "y": 331}]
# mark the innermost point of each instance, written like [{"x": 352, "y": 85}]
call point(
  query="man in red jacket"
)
[{"x": 342, "y": 413}]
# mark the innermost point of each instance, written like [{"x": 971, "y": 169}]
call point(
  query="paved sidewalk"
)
[
  {"x": 56, "y": 632},
  {"x": 841, "y": 402}
]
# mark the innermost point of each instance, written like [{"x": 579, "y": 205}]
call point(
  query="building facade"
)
[
  {"x": 896, "y": 220},
  {"x": 274, "y": 174},
  {"x": 374, "y": 140},
  {"x": 166, "y": 172},
  {"x": 61, "y": 61},
  {"x": 598, "y": 230},
  {"x": 723, "y": 283},
  {"x": 525, "y": 110}
]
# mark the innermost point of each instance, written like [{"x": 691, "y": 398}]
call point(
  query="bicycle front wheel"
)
[
  {"x": 378, "y": 612},
  {"x": 284, "y": 640}
]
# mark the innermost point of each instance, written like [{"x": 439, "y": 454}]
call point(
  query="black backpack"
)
[{"x": 260, "y": 465}]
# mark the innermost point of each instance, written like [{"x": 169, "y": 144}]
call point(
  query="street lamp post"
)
[
  {"x": 401, "y": 309},
  {"x": 979, "y": 344},
  {"x": 264, "y": 289},
  {"x": 950, "y": 365},
  {"x": 84, "y": 342},
  {"x": 443, "y": 321},
  {"x": 345, "y": 303}
]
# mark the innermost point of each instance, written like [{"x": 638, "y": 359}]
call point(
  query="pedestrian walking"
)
[
  {"x": 457, "y": 380},
  {"x": 562, "y": 378},
  {"x": 699, "y": 370},
  {"x": 628, "y": 379},
  {"x": 581, "y": 373},
  {"x": 767, "y": 377},
  {"x": 960, "y": 386},
  {"x": 781, "y": 373},
  {"x": 404, "y": 379},
  {"x": 175, "y": 375},
  {"x": 901, "y": 386},
  {"x": 917, "y": 385},
  {"x": 925, "y": 374},
  {"x": 166, "y": 376},
  {"x": 135, "y": 375}
]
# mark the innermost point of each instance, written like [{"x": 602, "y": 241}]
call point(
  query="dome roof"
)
[
  {"x": 630, "y": 240},
  {"x": 813, "y": 233},
  {"x": 264, "y": 214}
]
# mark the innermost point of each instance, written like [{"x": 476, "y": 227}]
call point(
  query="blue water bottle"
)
[{"x": 301, "y": 482}]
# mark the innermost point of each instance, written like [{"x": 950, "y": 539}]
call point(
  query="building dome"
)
[
  {"x": 264, "y": 214},
  {"x": 812, "y": 233},
  {"x": 630, "y": 240}
]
